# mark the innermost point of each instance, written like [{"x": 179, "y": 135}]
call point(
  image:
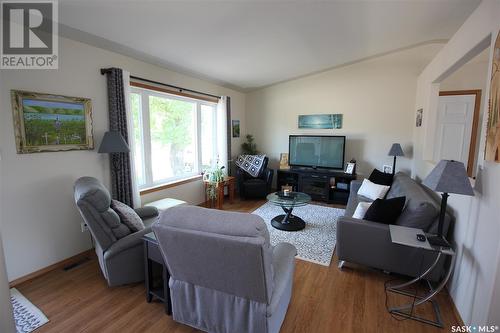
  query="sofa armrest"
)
[
  {"x": 369, "y": 243},
  {"x": 355, "y": 185},
  {"x": 126, "y": 243},
  {"x": 147, "y": 212},
  {"x": 240, "y": 179},
  {"x": 269, "y": 174},
  {"x": 283, "y": 267},
  {"x": 354, "y": 234}
]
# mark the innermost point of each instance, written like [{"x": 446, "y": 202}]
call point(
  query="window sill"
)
[{"x": 170, "y": 184}]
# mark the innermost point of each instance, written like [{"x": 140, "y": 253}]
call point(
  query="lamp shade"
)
[
  {"x": 449, "y": 177},
  {"x": 396, "y": 150},
  {"x": 113, "y": 142}
]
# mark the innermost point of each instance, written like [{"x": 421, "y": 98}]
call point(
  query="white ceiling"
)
[{"x": 250, "y": 44}]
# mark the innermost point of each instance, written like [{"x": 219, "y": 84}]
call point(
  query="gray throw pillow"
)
[
  {"x": 418, "y": 215},
  {"x": 128, "y": 216}
]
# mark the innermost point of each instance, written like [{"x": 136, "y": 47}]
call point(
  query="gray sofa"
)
[
  {"x": 369, "y": 243},
  {"x": 120, "y": 252},
  {"x": 225, "y": 275}
]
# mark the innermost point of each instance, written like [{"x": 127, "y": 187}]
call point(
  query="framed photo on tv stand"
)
[{"x": 351, "y": 167}]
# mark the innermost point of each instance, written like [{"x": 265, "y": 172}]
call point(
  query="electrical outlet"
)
[{"x": 84, "y": 227}]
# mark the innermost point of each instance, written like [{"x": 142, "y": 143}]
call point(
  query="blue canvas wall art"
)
[{"x": 320, "y": 121}]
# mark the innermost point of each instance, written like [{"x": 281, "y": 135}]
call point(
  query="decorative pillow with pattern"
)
[
  {"x": 252, "y": 164},
  {"x": 128, "y": 216}
]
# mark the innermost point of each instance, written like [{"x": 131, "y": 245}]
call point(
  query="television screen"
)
[{"x": 317, "y": 151}]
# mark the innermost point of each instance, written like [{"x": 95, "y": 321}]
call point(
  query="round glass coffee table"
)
[{"x": 288, "y": 221}]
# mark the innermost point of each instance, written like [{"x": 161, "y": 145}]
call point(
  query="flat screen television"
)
[{"x": 317, "y": 151}]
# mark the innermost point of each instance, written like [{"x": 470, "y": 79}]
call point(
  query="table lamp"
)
[
  {"x": 395, "y": 151},
  {"x": 447, "y": 177}
]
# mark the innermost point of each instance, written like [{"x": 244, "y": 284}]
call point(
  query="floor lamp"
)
[
  {"x": 112, "y": 143},
  {"x": 395, "y": 151},
  {"x": 447, "y": 177}
]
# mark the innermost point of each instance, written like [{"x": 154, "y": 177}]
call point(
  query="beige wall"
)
[
  {"x": 476, "y": 286},
  {"x": 6, "y": 316},
  {"x": 41, "y": 223},
  {"x": 376, "y": 98},
  {"x": 471, "y": 76}
]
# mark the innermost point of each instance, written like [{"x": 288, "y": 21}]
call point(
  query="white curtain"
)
[
  {"x": 222, "y": 133},
  {"x": 131, "y": 140}
]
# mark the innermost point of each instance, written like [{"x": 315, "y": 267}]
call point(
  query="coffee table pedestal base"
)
[
  {"x": 288, "y": 221},
  {"x": 292, "y": 223}
]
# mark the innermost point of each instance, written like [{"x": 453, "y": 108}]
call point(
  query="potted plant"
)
[
  {"x": 212, "y": 177},
  {"x": 249, "y": 147}
]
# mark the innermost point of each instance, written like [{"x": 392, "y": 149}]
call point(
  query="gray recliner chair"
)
[
  {"x": 225, "y": 275},
  {"x": 120, "y": 252}
]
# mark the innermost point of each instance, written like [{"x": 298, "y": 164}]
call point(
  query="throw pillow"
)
[
  {"x": 381, "y": 178},
  {"x": 252, "y": 164},
  {"x": 372, "y": 191},
  {"x": 385, "y": 211},
  {"x": 128, "y": 216},
  {"x": 361, "y": 209}
]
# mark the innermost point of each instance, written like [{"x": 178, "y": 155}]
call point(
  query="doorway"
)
[
  {"x": 457, "y": 127},
  {"x": 460, "y": 112}
]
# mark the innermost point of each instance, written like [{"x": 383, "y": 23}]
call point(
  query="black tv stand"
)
[{"x": 326, "y": 185}]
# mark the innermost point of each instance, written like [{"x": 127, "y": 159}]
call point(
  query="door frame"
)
[{"x": 475, "y": 122}]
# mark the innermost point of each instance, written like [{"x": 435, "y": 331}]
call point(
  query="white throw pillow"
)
[
  {"x": 361, "y": 209},
  {"x": 372, "y": 191}
]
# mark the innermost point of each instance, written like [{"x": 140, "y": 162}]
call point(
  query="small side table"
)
[
  {"x": 408, "y": 237},
  {"x": 229, "y": 181},
  {"x": 165, "y": 203},
  {"x": 152, "y": 257}
]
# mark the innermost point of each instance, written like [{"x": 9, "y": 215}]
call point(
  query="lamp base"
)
[{"x": 438, "y": 241}]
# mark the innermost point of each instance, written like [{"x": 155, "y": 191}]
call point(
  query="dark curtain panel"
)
[
  {"x": 229, "y": 135},
  {"x": 121, "y": 178}
]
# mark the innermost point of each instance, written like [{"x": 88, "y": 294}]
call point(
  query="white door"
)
[{"x": 455, "y": 116}]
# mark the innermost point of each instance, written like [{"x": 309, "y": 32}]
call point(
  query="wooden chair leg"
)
[
  {"x": 231, "y": 192},
  {"x": 220, "y": 196},
  {"x": 207, "y": 203}
]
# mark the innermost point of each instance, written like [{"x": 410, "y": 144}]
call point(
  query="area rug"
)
[
  {"x": 316, "y": 241},
  {"x": 27, "y": 316}
]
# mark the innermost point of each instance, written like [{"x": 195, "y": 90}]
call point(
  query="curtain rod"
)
[{"x": 106, "y": 70}]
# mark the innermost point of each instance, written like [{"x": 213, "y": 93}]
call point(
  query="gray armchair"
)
[
  {"x": 225, "y": 275},
  {"x": 120, "y": 252}
]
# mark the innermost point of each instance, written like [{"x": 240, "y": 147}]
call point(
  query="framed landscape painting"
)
[
  {"x": 44, "y": 122},
  {"x": 236, "y": 128}
]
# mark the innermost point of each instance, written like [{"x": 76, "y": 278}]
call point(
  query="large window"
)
[{"x": 175, "y": 137}]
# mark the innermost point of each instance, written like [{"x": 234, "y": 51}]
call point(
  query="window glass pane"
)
[
  {"x": 173, "y": 138},
  {"x": 135, "y": 104},
  {"x": 208, "y": 136}
]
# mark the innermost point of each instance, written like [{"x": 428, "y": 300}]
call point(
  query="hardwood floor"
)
[{"x": 324, "y": 299}]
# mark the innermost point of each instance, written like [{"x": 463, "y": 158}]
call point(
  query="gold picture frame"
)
[
  {"x": 49, "y": 123},
  {"x": 492, "y": 147},
  {"x": 284, "y": 161}
]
